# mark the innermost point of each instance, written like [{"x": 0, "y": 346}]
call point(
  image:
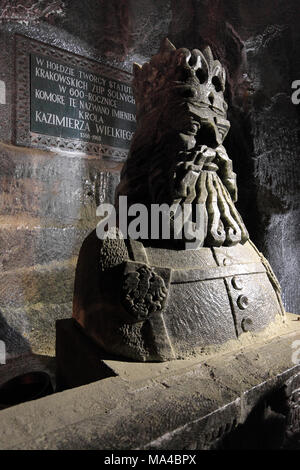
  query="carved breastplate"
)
[{"x": 166, "y": 304}]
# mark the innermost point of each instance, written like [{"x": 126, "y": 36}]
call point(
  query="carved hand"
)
[{"x": 226, "y": 173}]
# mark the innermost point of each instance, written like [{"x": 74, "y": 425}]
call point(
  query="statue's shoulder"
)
[
  {"x": 105, "y": 253},
  {"x": 112, "y": 249}
]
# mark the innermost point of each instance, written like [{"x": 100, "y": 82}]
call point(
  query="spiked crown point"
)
[{"x": 188, "y": 75}]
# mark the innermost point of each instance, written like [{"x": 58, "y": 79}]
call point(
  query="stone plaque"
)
[{"x": 71, "y": 103}]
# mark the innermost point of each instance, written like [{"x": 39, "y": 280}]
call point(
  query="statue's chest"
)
[{"x": 199, "y": 297}]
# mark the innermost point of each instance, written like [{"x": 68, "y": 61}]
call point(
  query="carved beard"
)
[
  {"x": 190, "y": 178},
  {"x": 181, "y": 153}
]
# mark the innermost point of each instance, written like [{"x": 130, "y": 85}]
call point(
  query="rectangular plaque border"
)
[{"x": 24, "y": 46}]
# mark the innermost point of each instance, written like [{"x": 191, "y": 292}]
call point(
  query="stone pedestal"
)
[
  {"x": 243, "y": 396},
  {"x": 247, "y": 397}
]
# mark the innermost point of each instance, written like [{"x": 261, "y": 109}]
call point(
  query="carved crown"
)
[{"x": 192, "y": 76}]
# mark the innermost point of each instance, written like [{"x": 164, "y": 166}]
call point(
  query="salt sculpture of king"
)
[{"x": 159, "y": 299}]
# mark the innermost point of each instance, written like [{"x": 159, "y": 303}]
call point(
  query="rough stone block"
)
[{"x": 181, "y": 405}]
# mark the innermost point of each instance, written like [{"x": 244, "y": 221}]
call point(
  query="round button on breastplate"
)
[
  {"x": 237, "y": 282},
  {"x": 246, "y": 324},
  {"x": 243, "y": 302}
]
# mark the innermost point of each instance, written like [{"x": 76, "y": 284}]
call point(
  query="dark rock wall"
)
[{"x": 48, "y": 200}]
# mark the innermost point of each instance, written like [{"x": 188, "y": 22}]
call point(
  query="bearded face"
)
[
  {"x": 188, "y": 138},
  {"x": 177, "y": 157},
  {"x": 190, "y": 169},
  {"x": 180, "y": 108}
]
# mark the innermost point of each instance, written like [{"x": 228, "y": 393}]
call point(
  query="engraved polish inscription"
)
[{"x": 72, "y": 103}]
